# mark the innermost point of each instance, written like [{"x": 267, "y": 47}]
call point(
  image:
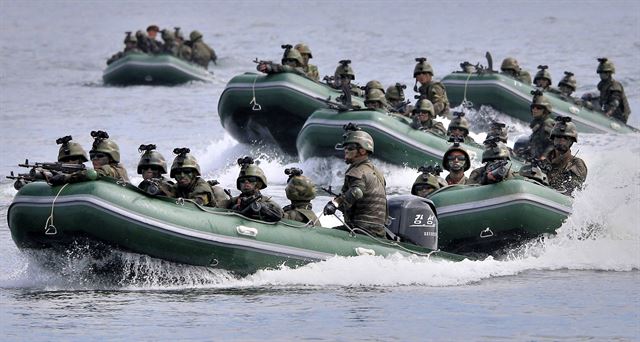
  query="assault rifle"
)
[
  {"x": 329, "y": 191},
  {"x": 56, "y": 167},
  {"x": 498, "y": 168},
  {"x": 401, "y": 107},
  {"x": 23, "y": 179}
]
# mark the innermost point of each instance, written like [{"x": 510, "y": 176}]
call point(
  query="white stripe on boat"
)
[{"x": 503, "y": 201}]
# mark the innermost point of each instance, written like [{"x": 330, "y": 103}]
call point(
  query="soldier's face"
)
[
  {"x": 305, "y": 58},
  {"x": 542, "y": 82},
  {"x": 424, "y": 77},
  {"x": 150, "y": 172},
  {"x": 456, "y": 160},
  {"x": 562, "y": 144},
  {"x": 248, "y": 185},
  {"x": 351, "y": 153},
  {"x": 99, "y": 159},
  {"x": 457, "y": 132},
  {"x": 184, "y": 177},
  {"x": 423, "y": 116},
  {"x": 422, "y": 190},
  {"x": 537, "y": 112},
  {"x": 373, "y": 104},
  {"x": 605, "y": 75},
  {"x": 152, "y": 34},
  {"x": 566, "y": 90}
]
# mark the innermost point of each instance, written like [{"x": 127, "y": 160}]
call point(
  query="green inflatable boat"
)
[
  {"x": 121, "y": 216},
  {"x": 395, "y": 141},
  {"x": 513, "y": 98},
  {"x": 145, "y": 69},
  {"x": 272, "y": 108},
  {"x": 485, "y": 218}
]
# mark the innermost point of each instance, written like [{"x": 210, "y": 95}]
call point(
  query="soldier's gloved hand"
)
[
  {"x": 255, "y": 207},
  {"x": 330, "y": 208},
  {"x": 58, "y": 179},
  {"x": 264, "y": 67},
  {"x": 587, "y": 97}
]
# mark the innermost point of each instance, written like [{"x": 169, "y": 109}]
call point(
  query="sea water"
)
[{"x": 581, "y": 284}]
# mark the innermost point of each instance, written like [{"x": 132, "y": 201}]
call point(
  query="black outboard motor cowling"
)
[{"x": 414, "y": 220}]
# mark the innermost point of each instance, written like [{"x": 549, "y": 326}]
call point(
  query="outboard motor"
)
[{"x": 414, "y": 220}]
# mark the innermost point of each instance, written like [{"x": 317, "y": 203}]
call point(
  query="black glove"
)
[
  {"x": 58, "y": 179},
  {"x": 255, "y": 207},
  {"x": 330, "y": 208}
]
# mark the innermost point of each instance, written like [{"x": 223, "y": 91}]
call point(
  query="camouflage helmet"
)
[
  {"x": 70, "y": 150},
  {"x": 195, "y": 35},
  {"x": 353, "y": 135},
  {"x": 150, "y": 157},
  {"x": 374, "y": 84},
  {"x": 344, "y": 70},
  {"x": 184, "y": 160},
  {"x": 103, "y": 144},
  {"x": 292, "y": 54},
  {"x": 425, "y": 105},
  {"x": 510, "y": 63},
  {"x": 167, "y": 35},
  {"x": 249, "y": 169},
  {"x": 304, "y": 49},
  {"x": 568, "y": 80},
  {"x": 422, "y": 67},
  {"x": 564, "y": 128},
  {"x": 178, "y": 33},
  {"x": 375, "y": 95},
  {"x": 540, "y": 100},
  {"x": 130, "y": 38},
  {"x": 530, "y": 170},
  {"x": 543, "y": 73},
  {"x": 300, "y": 188},
  {"x": 456, "y": 147},
  {"x": 425, "y": 178},
  {"x": 498, "y": 129},
  {"x": 495, "y": 150},
  {"x": 395, "y": 92},
  {"x": 459, "y": 122},
  {"x": 605, "y": 66}
]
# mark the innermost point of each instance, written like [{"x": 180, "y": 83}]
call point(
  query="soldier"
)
[
  {"x": 425, "y": 184},
  {"x": 250, "y": 202},
  {"x": 131, "y": 46},
  {"x": 429, "y": 89},
  {"x": 567, "y": 84},
  {"x": 511, "y": 68},
  {"x": 300, "y": 191},
  {"x": 497, "y": 164},
  {"x": 459, "y": 127},
  {"x": 201, "y": 53},
  {"x": 424, "y": 118},
  {"x": 143, "y": 41},
  {"x": 539, "y": 142},
  {"x": 534, "y": 170},
  {"x": 456, "y": 160},
  {"x": 343, "y": 77},
  {"x": 542, "y": 79},
  {"x": 152, "y": 166},
  {"x": 310, "y": 70},
  {"x": 154, "y": 45},
  {"x": 373, "y": 84},
  {"x": 363, "y": 200},
  {"x": 291, "y": 62},
  {"x": 567, "y": 172},
  {"x": 71, "y": 152},
  {"x": 613, "y": 101},
  {"x": 375, "y": 100},
  {"x": 189, "y": 185},
  {"x": 170, "y": 45},
  {"x": 395, "y": 98},
  {"x": 184, "y": 50}
]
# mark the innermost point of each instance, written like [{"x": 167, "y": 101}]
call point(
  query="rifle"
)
[
  {"x": 23, "y": 179},
  {"x": 401, "y": 107},
  {"x": 56, "y": 167},
  {"x": 261, "y": 61},
  {"x": 334, "y": 105},
  {"x": 498, "y": 168},
  {"x": 346, "y": 95},
  {"x": 329, "y": 191}
]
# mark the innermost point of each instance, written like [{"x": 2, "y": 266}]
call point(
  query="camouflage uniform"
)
[
  {"x": 201, "y": 53},
  {"x": 199, "y": 190},
  {"x": 166, "y": 186},
  {"x": 437, "y": 94},
  {"x": 170, "y": 46},
  {"x": 511, "y": 68},
  {"x": 301, "y": 211},
  {"x": 539, "y": 141},
  {"x": 312, "y": 72},
  {"x": 430, "y": 125},
  {"x": 479, "y": 176},
  {"x": 462, "y": 180},
  {"x": 612, "y": 96},
  {"x": 494, "y": 152},
  {"x": 370, "y": 211},
  {"x": 567, "y": 172},
  {"x": 184, "y": 52},
  {"x": 257, "y": 207}
]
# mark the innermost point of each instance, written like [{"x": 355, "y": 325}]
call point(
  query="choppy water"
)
[{"x": 579, "y": 285}]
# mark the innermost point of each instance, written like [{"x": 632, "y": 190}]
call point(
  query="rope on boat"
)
[
  {"x": 256, "y": 106},
  {"x": 49, "y": 227},
  {"x": 466, "y": 103}
]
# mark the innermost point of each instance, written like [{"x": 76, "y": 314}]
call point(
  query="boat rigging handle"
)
[
  {"x": 49, "y": 227},
  {"x": 247, "y": 231},
  {"x": 256, "y": 106},
  {"x": 365, "y": 251},
  {"x": 486, "y": 233}
]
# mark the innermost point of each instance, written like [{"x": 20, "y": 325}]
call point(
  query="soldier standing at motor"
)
[
  {"x": 201, "y": 53},
  {"x": 424, "y": 118},
  {"x": 429, "y": 89},
  {"x": 363, "y": 200},
  {"x": 568, "y": 172},
  {"x": 310, "y": 70},
  {"x": 251, "y": 203},
  {"x": 511, "y": 68},
  {"x": 300, "y": 191},
  {"x": 540, "y": 143}
]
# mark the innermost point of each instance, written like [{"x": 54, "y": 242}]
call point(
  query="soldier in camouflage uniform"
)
[
  {"x": 300, "y": 191},
  {"x": 152, "y": 166},
  {"x": 497, "y": 166},
  {"x": 425, "y": 184},
  {"x": 542, "y": 79},
  {"x": 363, "y": 200},
  {"x": 568, "y": 172},
  {"x": 613, "y": 100},
  {"x": 540, "y": 143},
  {"x": 251, "y": 203},
  {"x": 170, "y": 45},
  {"x": 310, "y": 70},
  {"x": 71, "y": 152},
  {"x": 131, "y": 46},
  {"x": 396, "y": 101},
  {"x": 344, "y": 76},
  {"x": 459, "y": 128},
  {"x": 189, "y": 185},
  {"x": 456, "y": 160},
  {"x": 567, "y": 85},
  {"x": 532, "y": 170},
  {"x": 429, "y": 89},
  {"x": 154, "y": 45},
  {"x": 201, "y": 53},
  {"x": 510, "y": 67},
  {"x": 424, "y": 118},
  {"x": 292, "y": 61},
  {"x": 375, "y": 100},
  {"x": 184, "y": 50}
]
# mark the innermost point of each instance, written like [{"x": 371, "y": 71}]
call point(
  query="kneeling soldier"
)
[
  {"x": 250, "y": 202},
  {"x": 300, "y": 191}
]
